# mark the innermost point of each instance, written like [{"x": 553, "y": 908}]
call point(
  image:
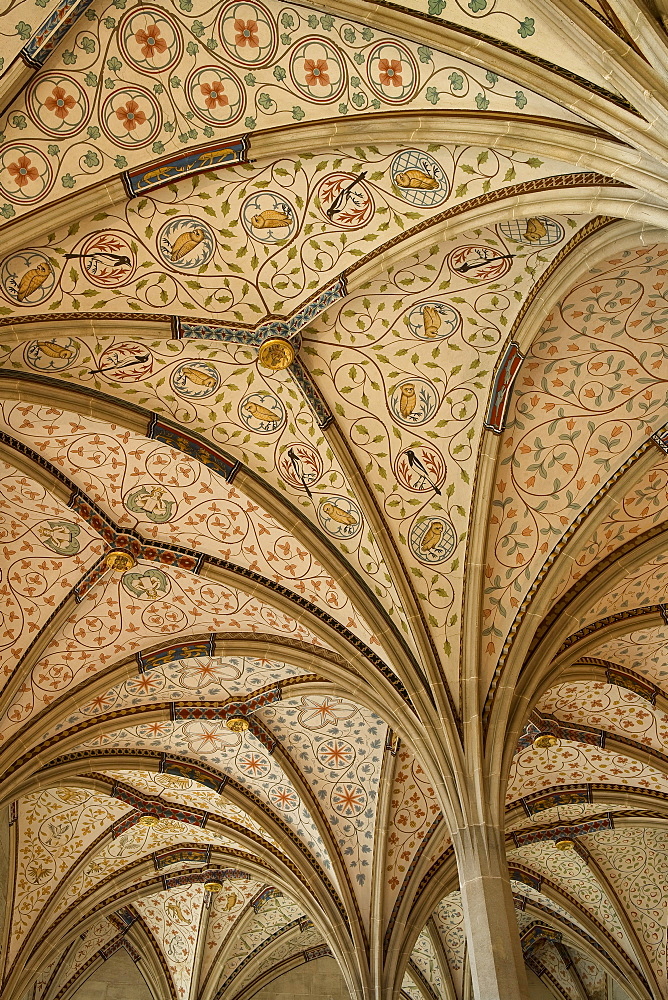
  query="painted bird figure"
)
[
  {"x": 298, "y": 469},
  {"x": 431, "y": 320},
  {"x": 271, "y": 219},
  {"x": 184, "y": 243},
  {"x": 54, "y": 350},
  {"x": 230, "y": 902},
  {"x": 432, "y": 536},
  {"x": 261, "y": 412},
  {"x": 535, "y": 230},
  {"x": 337, "y": 514},
  {"x": 415, "y": 178},
  {"x": 407, "y": 399},
  {"x": 199, "y": 377},
  {"x": 32, "y": 280}
]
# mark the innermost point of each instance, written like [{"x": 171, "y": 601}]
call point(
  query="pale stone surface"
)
[
  {"x": 320, "y": 978},
  {"x": 537, "y": 989},
  {"x": 117, "y": 979}
]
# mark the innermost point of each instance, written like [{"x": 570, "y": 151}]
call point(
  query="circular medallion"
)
[
  {"x": 420, "y": 469},
  {"x": 254, "y": 764},
  {"x": 345, "y": 200},
  {"x": 150, "y": 40},
  {"x": 283, "y": 798},
  {"x": 300, "y": 465},
  {"x": 186, "y": 243},
  {"x": 131, "y": 117},
  {"x": 317, "y": 70},
  {"x": 51, "y": 355},
  {"x": 393, "y": 73},
  {"x": 126, "y": 361},
  {"x": 58, "y": 104},
  {"x": 539, "y": 231},
  {"x": 268, "y": 217},
  {"x": 340, "y": 516},
  {"x": 479, "y": 263},
  {"x": 28, "y": 277},
  {"x": 149, "y": 585},
  {"x": 237, "y": 724},
  {"x": 419, "y": 178},
  {"x": 413, "y": 401},
  {"x": 432, "y": 539},
  {"x": 433, "y": 320},
  {"x": 25, "y": 174},
  {"x": 276, "y": 354},
  {"x": 119, "y": 562},
  {"x": 215, "y": 95},
  {"x": 262, "y": 413},
  {"x": 336, "y": 754},
  {"x": 107, "y": 260},
  {"x": 248, "y": 33},
  {"x": 195, "y": 379},
  {"x": 151, "y": 501},
  {"x": 348, "y": 800},
  {"x": 60, "y": 537}
]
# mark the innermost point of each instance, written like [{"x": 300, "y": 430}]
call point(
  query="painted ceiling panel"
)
[
  {"x": 642, "y": 650},
  {"x": 568, "y": 420},
  {"x": 426, "y": 959},
  {"x": 574, "y": 763},
  {"x": 55, "y": 827},
  {"x": 174, "y": 918},
  {"x": 318, "y": 67},
  {"x": 449, "y": 922},
  {"x": 223, "y": 920},
  {"x": 82, "y": 951}
]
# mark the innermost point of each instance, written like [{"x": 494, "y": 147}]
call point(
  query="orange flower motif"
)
[
  {"x": 131, "y": 116},
  {"x": 150, "y": 41},
  {"x": 22, "y": 172},
  {"x": 316, "y": 72},
  {"x": 60, "y": 103},
  {"x": 390, "y": 72},
  {"x": 246, "y": 34},
  {"x": 215, "y": 95}
]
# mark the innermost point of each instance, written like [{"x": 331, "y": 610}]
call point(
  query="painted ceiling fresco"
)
[{"x": 333, "y": 494}]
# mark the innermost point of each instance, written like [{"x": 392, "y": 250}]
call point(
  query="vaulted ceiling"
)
[{"x": 334, "y": 490}]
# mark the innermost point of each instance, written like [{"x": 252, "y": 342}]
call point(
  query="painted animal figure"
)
[
  {"x": 415, "y": 178},
  {"x": 431, "y": 319},
  {"x": 261, "y": 412},
  {"x": 432, "y": 536},
  {"x": 407, "y": 399},
  {"x": 186, "y": 242},
  {"x": 337, "y": 514},
  {"x": 535, "y": 230},
  {"x": 32, "y": 280},
  {"x": 271, "y": 219},
  {"x": 199, "y": 377},
  {"x": 174, "y": 911}
]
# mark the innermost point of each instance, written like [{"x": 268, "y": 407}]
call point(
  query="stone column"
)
[{"x": 495, "y": 953}]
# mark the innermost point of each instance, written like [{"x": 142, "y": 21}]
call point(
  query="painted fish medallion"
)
[
  {"x": 433, "y": 320},
  {"x": 131, "y": 117},
  {"x": 51, "y": 355},
  {"x": 336, "y": 754},
  {"x": 317, "y": 70},
  {"x": 420, "y": 469},
  {"x": 268, "y": 217},
  {"x": 393, "y": 73},
  {"x": 283, "y": 798},
  {"x": 186, "y": 243},
  {"x": 432, "y": 539},
  {"x": 480, "y": 263},
  {"x": 107, "y": 259},
  {"x": 195, "y": 379},
  {"x": 27, "y": 278},
  {"x": 419, "y": 178},
  {"x": 340, "y": 516},
  {"x": 58, "y": 104},
  {"x": 126, "y": 361},
  {"x": 60, "y": 537},
  {"x": 150, "y": 40},
  {"x": 345, "y": 200},
  {"x": 413, "y": 401},
  {"x": 25, "y": 173},
  {"x": 262, "y": 412},
  {"x": 149, "y": 585},
  {"x": 216, "y": 95},
  {"x": 348, "y": 799},
  {"x": 152, "y": 501},
  {"x": 248, "y": 33},
  {"x": 538, "y": 231}
]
